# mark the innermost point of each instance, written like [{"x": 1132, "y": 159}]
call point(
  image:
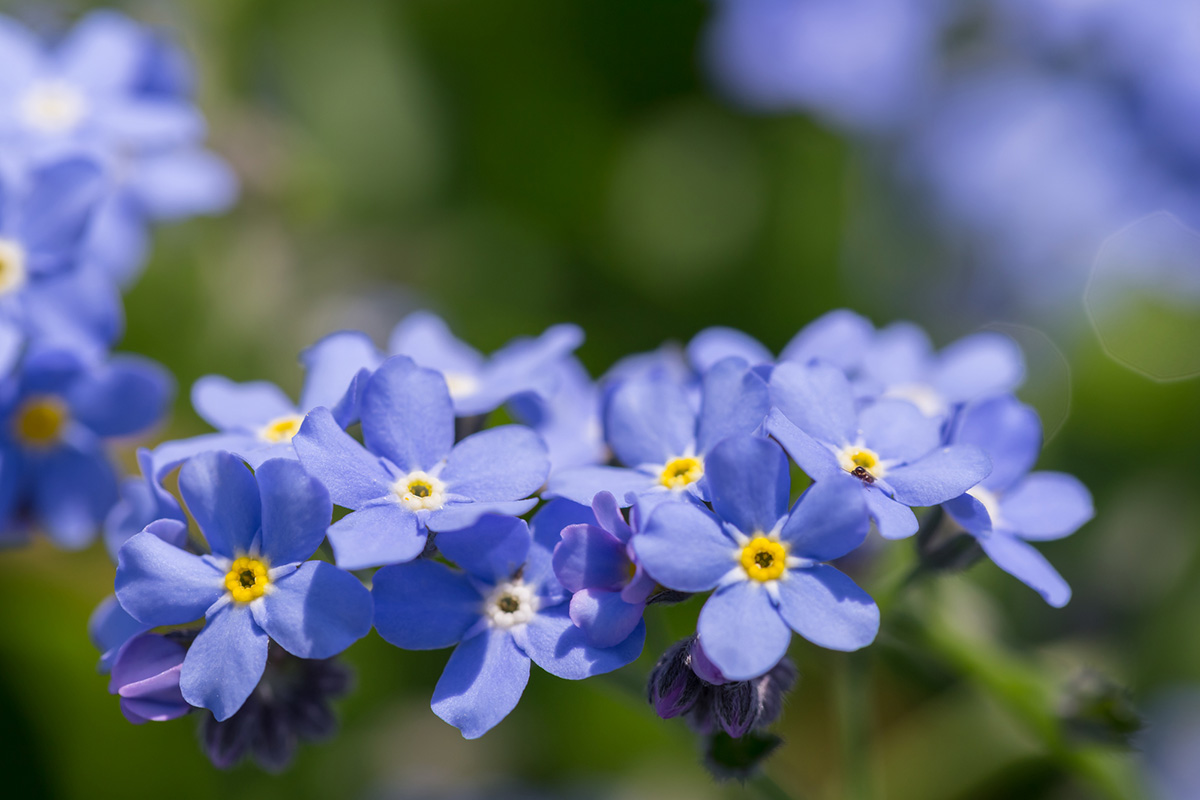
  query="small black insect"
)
[{"x": 862, "y": 474}]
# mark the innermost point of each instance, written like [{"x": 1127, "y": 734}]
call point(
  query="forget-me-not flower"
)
[
  {"x": 502, "y": 609},
  {"x": 765, "y": 562},
  {"x": 411, "y": 477},
  {"x": 839, "y": 337},
  {"x": 1012, "y": 506},
  {"x": 254, "y": 587}
]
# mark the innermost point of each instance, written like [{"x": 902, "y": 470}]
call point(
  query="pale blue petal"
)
[
  {"x": 492, "y": 549},
  {"x": 353, "y": 476},
  {"x": 505, "y": 463},
  {"x": 898, "y": 431},
  {"x": 222, "y": 496},
  {"x": 893, "y": 519},
  {"x": 900, "y": 354},
  {"x": 483, "y": 681},
  {"x": 381, "y": 533},
  {"x": 828, "y": 521},
  {"x": 331, "y": 365},
  {"x": 556, "y": 645},
  {"x": 734, "y": 402},
  {"x": 970, "y": 514},
  {"x": 714, "y": 344},
  {"x": 582, "y": 484},
  {"x": 461, "y": 515},
  {"x": 590, "y": 557},
  {"x": 73, "y": 493},
  {"x": 159, "y": 584},
  {"x": 225, "y": 663},
  {"x": 1008, "y": 431},
  {"x": 684, "y": 547},
  {"x": 426, "y": 339},
  {"x": 742, "y": 632},
  {"x": 749, "y": 480},
  {"x": 296, "y": 510},
  {"x": 840, "y": 337},
  {"x": 1045, "y": 506},
  {"x": 230, "y": 406},
  {"x": 649, "y": 420},
  {"x": 1027, "y": 565},
  {"x": 817, "y": 460},
  {"x": 605, "y": 619},
  {"x": 315, "y": 612},
  {"x": 939, "y": 476},
  {"x": 407, "y": 415},
  {"x": 978, "y": 366},
  {"x": 817, "y": 400},
  {"x": 424, "y": 605},
  {"x": 546, "y": 528},
  {"x": 827, "y": 608},
  {"x": 125, "y": 396}
]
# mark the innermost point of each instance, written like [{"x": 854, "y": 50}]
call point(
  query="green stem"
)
[{"x": 854, "y": 704}]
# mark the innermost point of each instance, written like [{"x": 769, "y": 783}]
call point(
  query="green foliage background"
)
[{"x": 519, "y": 163}]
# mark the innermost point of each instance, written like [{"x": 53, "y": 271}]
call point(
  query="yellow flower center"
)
[
  {"x": 764, "y": 559},
  {"x": 40, "y": 421},
  {"x": 282, "y": 429},
  {"x": 247, "y": 579},
  {"x": 679, "y": 472},
  {"x": 861, "y": 462},
  {"x": 12, "y": 266}
]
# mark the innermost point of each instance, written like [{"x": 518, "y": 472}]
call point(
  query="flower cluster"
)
[
  {"x": 1034, "y": 128},
  {"x": 100, "y": 138},
  {"x": 543, "y": 542}
]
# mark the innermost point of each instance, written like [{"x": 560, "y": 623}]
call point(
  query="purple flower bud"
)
[
  {"x": 673, "y": 687},
  {"x": 145, "y": 675}
]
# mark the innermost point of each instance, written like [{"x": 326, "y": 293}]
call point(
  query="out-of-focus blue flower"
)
[
  {"x": 55, "y": 418},
  {"x": 45, "y": 211},
  {"x": 900, "y": 364},
  {"x": 839, "y": 337},
  {"x": 653, "y": 428},
  {"x": 257, "y": 421},
  {"x": 114, "y": 89},
  {"x": 894, "y": 450},
  {"x": 411, "y": 477},
  {"x": 596, "y": 563},
  {"x": 502, "y": 610},
  {"x": 1012, "y": 506},
  {"x": 568, "y": 418},
  {"x": 255, "y": 586},
  {"x": 145, "y": 676},
  {"x": 478, "y": 384},
  {"x": 765, "y": 562},
  {"x": 143, "y": 500},
  {"x": 863, "y": 63}
]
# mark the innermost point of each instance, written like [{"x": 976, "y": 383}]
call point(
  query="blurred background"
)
[{"x": 646, "y": 170}]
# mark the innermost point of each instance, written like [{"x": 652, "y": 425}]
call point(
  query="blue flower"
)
[
  {"x": 477, "y": 384},
  {"x": 839, "y": 337},
  {"x": 502, "y": 610},
  {"x": 900, "y": 364},
  {"x": 411, "y": 477},
  {"x": 596, "y": 563},
  {"x": 765, "y": 562},
  {"x": 254, "y": 586},
  {"x": 892, "y": 448},
  {"x": 654, "y": 429},
  {"x": 143, "y": 501},
  {"x": 257, "y": 421},
  {"x": 55, "y": 419},
  {"x": 44, "y": 214},
  {"x": 112, "y": 88},
  {"x": 568, "y": 418},
  {"x": 1013, "y": 506}
]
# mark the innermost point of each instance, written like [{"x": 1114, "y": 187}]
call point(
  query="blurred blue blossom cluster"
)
[
  {"x": 99, "y": 139},
  {"x": 1033, "y": 129},
  {"x": 515, "y": 510}
]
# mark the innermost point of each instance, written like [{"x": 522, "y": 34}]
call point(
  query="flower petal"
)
[
  {"x": 898, "y": 431},
  {"x": 127, "y": 395},
  {"x": 296, "y": 510},
  {"x": 829, "y": 520},
  {"x": 649, "y": 420},
  {"x": 556, "y": 645},
  {"x": 684, "y": 547},
  {"x": 546, "y": 527},
  {"x": 839, "y": 337},
  {"x": 1044, "y": 506},
  {"x": 463, "y": 515},
  {"x": 73, "y": 493},
  {"x": 223, "y": 497},
  {"x": 505, "y": 463},
  {"x": 225, "y": 663},
  {"x": 979, "y": 365},
  {"x": 714, "y": 344},
  {"x": 742, "y": 633},
  {"x": 492, "y": 549},
  {"x": 817, "y": 460},
  {"x": 939, "y": 476},
  {"x": 353, "y": 476},
  {"x": 582, "y": 484},
  {"x": 1027, "y": 565},
  {"x": 315, "y": 612},
  {"x": 590, "y": 557},
  {"x": 483, "y": 681},
  {"x": 379, "y": 533},
  {"x": 424, "y": 605},
  {"x": 247, "y": 407},
  {"x": 331, "y": 366},
  {"x": 605, "y": 619},
  {"x": 426, "y": 339},
  {"x": 749, "y": 481},
  {"x": 824, "y": 606},
  {"x": 816, "y": 399},
  {"x": 734, "y": 401},
  {"x": 893, "y": 519},
  {"x": 407, "y": 416},
  {"x": 159, "y": 584},
  {"x": 1008, "y": 431}
]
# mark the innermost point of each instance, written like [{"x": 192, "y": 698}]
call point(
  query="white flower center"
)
[
  {"x": 12, "y": 266},
  {"x": 989, "y": 500},
  {"x": 927, "y": 399},
  {"x": 461, "y": 384},
  {"x": 53, "y": 106},
  {"x": 420, "y": 491},
  {"x": 511, "y": 603}
]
